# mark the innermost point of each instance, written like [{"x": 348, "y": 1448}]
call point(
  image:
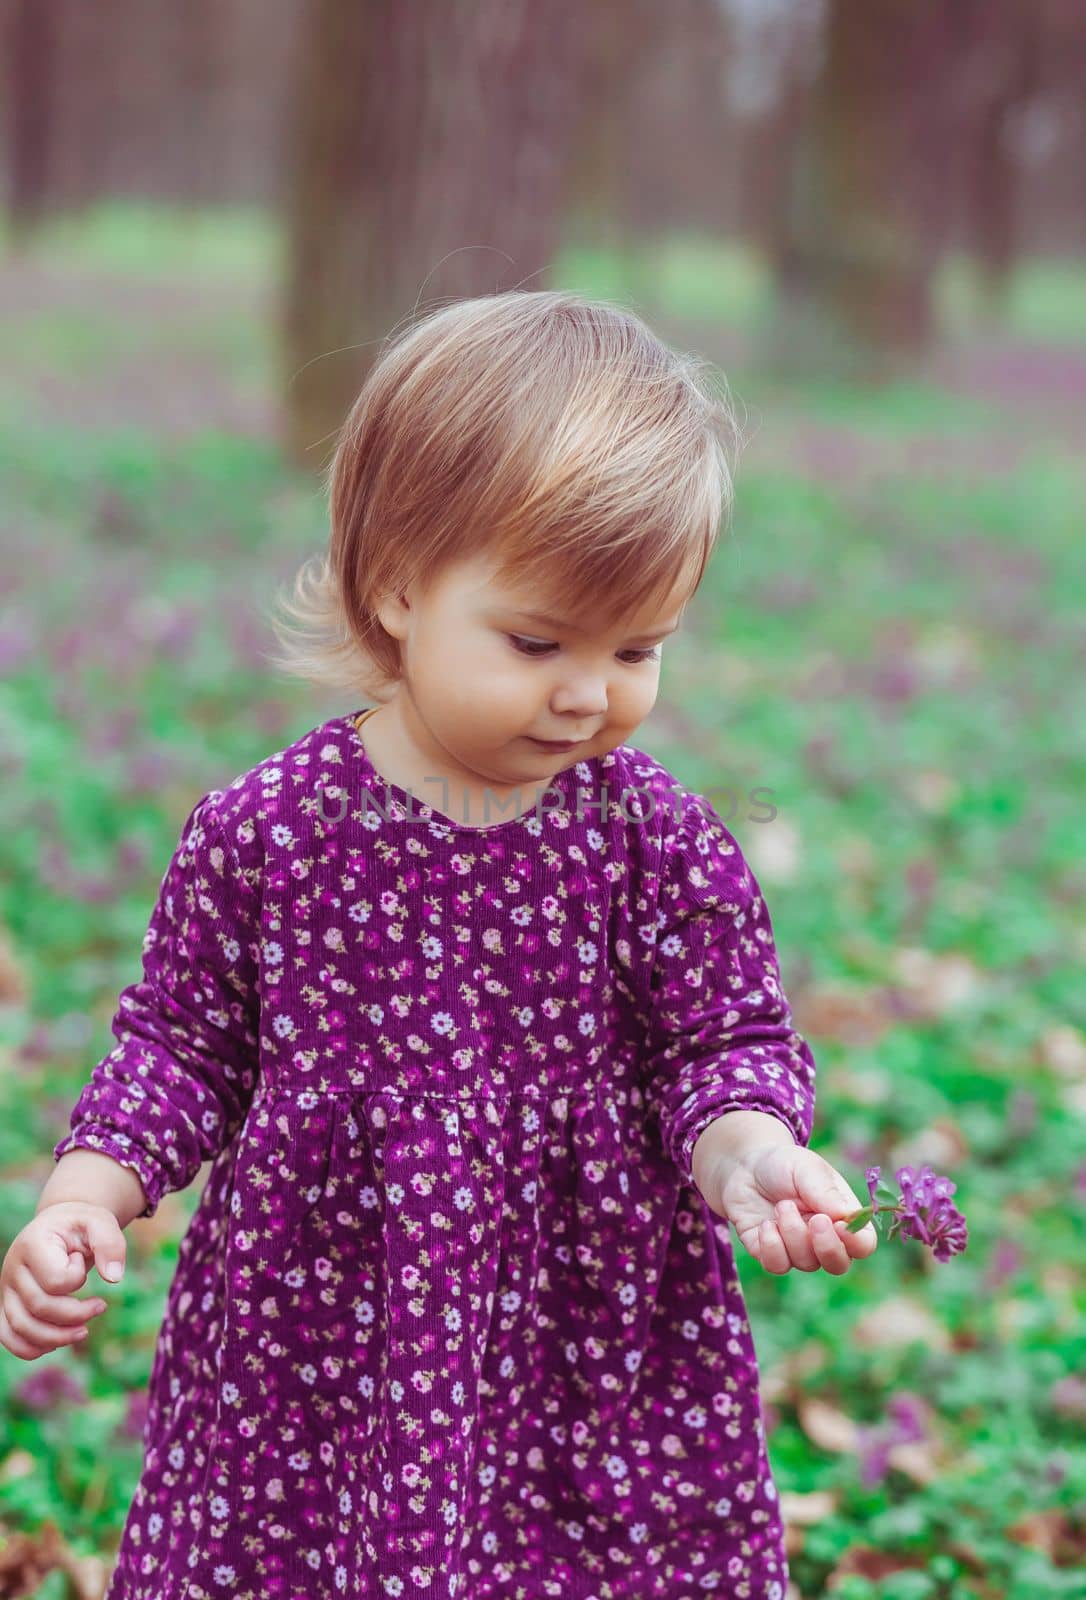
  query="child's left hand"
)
[{"x": 787, "y": 1203}]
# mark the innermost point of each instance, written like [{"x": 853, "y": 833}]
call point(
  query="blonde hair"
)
[{"x": 554, "y": 432}]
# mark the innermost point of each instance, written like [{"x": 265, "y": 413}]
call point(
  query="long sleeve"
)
[
  {"x": 176, "y": 1087},
  {"x": 720, "y": 1035}
]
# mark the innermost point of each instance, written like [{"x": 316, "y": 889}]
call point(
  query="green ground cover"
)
[{"x": 888, "y": 643}]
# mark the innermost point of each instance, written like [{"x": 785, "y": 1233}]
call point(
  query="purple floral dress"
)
[{"x": 450, "y": 1318}]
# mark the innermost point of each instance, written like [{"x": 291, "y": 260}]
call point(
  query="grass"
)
[{"x": 894, "y": 658}]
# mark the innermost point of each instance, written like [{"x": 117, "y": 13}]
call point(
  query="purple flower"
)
[
  {"x": 1005, "y": 1261},
  {"x": 923, "y": 1209},
  {"x": 49, "y": 1387},
  {"x": 135, "y": 1416},
  {"x": 909, "y": 1412},
  {"x": 873, "y": 1449}
]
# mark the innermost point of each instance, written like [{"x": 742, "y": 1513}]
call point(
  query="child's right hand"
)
[{"x": 45, "y": 1264}]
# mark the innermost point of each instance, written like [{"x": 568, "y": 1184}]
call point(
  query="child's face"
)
[{"x": 483, "y": 680}]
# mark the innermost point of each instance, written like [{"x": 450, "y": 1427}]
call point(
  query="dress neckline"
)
[{"x": 413, "y": 806}]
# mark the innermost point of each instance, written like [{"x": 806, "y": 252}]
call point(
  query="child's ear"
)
[{"x": 393, "y": 613}]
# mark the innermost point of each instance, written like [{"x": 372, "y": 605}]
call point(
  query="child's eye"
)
[{"x": 538, "y": 647}]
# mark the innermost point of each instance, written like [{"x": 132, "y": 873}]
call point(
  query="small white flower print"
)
[
  {"x": 226, "y": 1576},
  {"x": 231, "y": 950},
  {"x": 442, "y": 1022},
  {"x": 282, "y": 1026},
  {"x": 282, "y": 835},
  {"x": 271, "y": 954},
  {"x": 360, "y": 911}
]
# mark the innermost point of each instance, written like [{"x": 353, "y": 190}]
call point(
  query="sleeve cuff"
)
[
  {"x": 683, "y": 1151},
  {"x": 108, "y": 1142}
]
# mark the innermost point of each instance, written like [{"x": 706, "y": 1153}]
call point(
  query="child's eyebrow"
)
[{"x": 558, "y": 626}]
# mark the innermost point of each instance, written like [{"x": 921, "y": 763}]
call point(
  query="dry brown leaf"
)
[
  {"x": 1063, "y": 1048},
  {"x": 826, "y": 1425},
  {"x": 866, "y": 1562},
  {"x": 857, "y": 857},
  {"x": 16, "y": 1464},
  {"x": 808, "y": 1510},
  {"x": 14, "y": 983},
  {"x": 26, "y": 1560},
  {"x": 1074, "y": 1098},
  {"x": 919, "y": 1459},
  {"x": 932, "y": 790},
  {"x": 781, "y": 1380},
  {"x": 938, "y": 983},
  {"x": 851, "y": 1012},
  {"x": 898, "y": 1319},
  {"x": 941, "y": 1145},
  {"x": 776, "y": 853},
  {"x": 1053, "y": 1532}
]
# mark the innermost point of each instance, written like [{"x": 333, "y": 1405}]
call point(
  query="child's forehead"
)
[
  {"x": 555, "y": 611},
  {"x": 487, "y": 589}
]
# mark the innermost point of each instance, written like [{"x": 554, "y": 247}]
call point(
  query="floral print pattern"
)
[{"x": 450, "y": 1317}]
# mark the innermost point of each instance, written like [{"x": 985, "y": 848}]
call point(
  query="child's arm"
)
[
  {"x": 97, "y": 1180},
  {"x": 721, "y": 1037},
  {"x": 731, "y": 1079},
  {"x": 176, "y": 1087},
  {"x": 731, "y": 1135}
]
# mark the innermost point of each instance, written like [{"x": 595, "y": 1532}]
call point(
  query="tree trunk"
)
[
  {"x": 1010, "y": 58},
  {"x": 856, "y": 254},
  {"x": 429, "y": 154},
  {"x": 31, "y": 70}
]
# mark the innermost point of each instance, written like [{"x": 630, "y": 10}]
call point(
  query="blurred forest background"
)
[{"x": 872, "y": 215}]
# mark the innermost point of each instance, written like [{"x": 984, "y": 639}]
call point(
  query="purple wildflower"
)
[
  {"x": 910, "y": 1413},
  {"x": 923, "y": 1209},
  {"x": 873, "y": 1448},
  {"x": 1005, "y": 1261},
  {"x": 49, "y": 1387},
  {"x": 135, "y": 1416}
]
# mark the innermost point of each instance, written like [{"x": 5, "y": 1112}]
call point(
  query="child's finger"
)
[
  {"x": 770, "y": 1248},
  {"x": 796, "y": 1235},
  {"x": 833, "y": 1256},
  {"x": 30, "y": 1330},
  {"x": 59, "y": 1311},
  {"x": 862, "y": 1242}
]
